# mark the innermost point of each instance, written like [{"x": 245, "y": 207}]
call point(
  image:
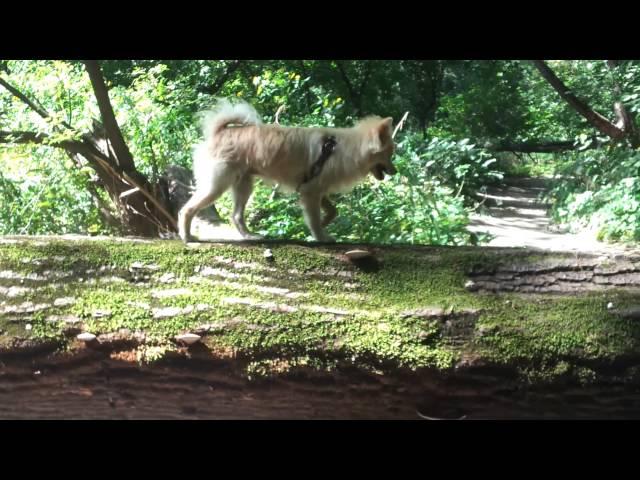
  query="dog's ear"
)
[
  {"x": 384, "y": 129},
  {"x": 380, "y": 136}
]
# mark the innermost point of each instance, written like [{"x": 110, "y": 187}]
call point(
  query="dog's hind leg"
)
[
  {"x": 330, "y": 211},
  {"x": 241, "y": 192},
  {"x": 311, "y": 203},
  {"x": 204, "y": 196}
]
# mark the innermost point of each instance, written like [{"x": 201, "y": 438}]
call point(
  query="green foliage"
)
[
  {"x": 305, "y": 105},
  {"x": 49, "y": 196},
  {"x": 459, "y": 164},
  {"x": 455, "y": 108},
  {"x": 526, "y": 165},
  {"x": 156, "y": 120},
  {"x": 598, "y": 191}
]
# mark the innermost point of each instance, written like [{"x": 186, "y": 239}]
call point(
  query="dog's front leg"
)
[
  {"x": 311, "y": 203},
  {"x": 196, "y": 203},
  {"x": 330, "y": 211},
  {"x": 241, "y": 193}
]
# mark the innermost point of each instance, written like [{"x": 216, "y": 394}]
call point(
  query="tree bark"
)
[
  {"x": 428, "y": 78},
  {"x": 106, "y": 385},
  {"x": 559, "y": 276},
  {"x": 356, "y": 92},
  {"x": 597, "y": 120},
  {"x": 62, "y": 377},
  {"x": 625, "y": 119},
  {"x": 123, "y": 156},
  {"x": 142, "y": 213},
  {"x": 532, "y": 147},
  {"x": 18, "y": 94}
]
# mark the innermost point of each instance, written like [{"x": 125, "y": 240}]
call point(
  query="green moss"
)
[
  {"x": 540, "y": 335},
  {"x": 556, "y": 328}
]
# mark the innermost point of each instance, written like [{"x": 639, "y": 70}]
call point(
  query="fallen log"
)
[{"x": 130, "y": 328}]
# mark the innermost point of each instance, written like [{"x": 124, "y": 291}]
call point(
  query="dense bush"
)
[
  {"x": 45, "y": 196},
  {"x": 456, "y": 108},
  {"x": 596, "y": 191}
]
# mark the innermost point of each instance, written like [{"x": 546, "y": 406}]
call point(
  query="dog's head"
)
[{"x": 378, "y": 146}]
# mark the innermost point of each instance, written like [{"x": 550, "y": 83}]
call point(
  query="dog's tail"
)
[{"x": 226, "y": 113}]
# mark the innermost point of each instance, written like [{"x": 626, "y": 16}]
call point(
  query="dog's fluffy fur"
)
[{"x": 237, "y": 146}]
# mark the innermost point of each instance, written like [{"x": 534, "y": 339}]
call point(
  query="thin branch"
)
[
  {"x": 20, "y": 137},
  {"x": 400, "y": 124},
  {"x": 18, "y": 94},
  {"x": 154, "y": 218},
  {"x": 541, "y": 147},
  {"x": 365, "y": 78},
  {"x": 149, "y": 217},
  {"x": 126, "y": 193},
  {"x": 345, "y": 78},
  {"x": 597, "y": 120},
  {"x": 281, "y": 108}
]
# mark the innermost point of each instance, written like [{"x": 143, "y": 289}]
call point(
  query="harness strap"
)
[{"x": 328, "y": 147}]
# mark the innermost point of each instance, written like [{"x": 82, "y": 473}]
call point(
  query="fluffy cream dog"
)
[{"x": 312, "y": 161}]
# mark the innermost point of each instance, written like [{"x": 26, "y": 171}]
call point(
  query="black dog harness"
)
[{"x": 328, "y": 146}]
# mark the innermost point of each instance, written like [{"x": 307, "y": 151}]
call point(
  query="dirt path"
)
[{"x": 517, "y": 217}]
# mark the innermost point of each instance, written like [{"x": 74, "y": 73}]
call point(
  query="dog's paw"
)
[
  {"x": 253, "y": 236},
  {"x": 186, "y": 238},
  {"x": 326, "y": 239}
]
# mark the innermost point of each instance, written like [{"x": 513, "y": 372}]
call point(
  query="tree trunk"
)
[
  {"x": 143, "y": 209},
  {"x": 625, "y": 119},
  {"x": 144, "y": 212},
  {"x": 429, "y": 81},
  {"x": 95, "y": 384},
  {"x": 356, "y": 93},
  {"x": 597, "y": 120},
  {"x": 534, "y": 147},
  {"x": 407, "y": 332},
  {"x": 116, "y": 142}
]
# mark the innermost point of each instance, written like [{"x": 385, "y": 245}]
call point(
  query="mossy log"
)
[{"x": 307, "y": 331}]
